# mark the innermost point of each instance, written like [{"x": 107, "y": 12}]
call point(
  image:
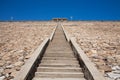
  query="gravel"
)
[
  {"x": 101, "y": 43},
  {"x": 18, "y": 40}
]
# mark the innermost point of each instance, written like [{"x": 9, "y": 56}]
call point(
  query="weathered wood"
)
[
  {"x": 65, "y": 33},
  {"x": 58, "y": 68},
  {"x": 52, "y": 34}
]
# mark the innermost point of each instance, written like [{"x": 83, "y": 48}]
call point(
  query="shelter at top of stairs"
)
[{"x": 60, "y": 19}]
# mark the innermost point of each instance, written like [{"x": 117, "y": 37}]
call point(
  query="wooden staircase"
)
[{"x": 59, "y": 62}]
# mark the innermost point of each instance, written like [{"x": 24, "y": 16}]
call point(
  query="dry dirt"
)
[
  {"x": 18, "y": 40},
  {"x": 101, "y": 43}
]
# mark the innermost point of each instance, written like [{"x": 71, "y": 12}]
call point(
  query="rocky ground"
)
[
  {"x": 18, "y": 40},
  {"x": 101, "y": 43}
]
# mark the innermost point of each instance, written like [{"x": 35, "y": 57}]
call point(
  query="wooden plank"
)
[
  {"x": 52, "y": 34},
  {"x": 66, "y": 34}
]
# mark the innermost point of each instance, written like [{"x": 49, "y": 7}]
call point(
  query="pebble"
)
[
  {"x": 95, "y": 56},
  {"x": 20, "y": 52},
  {"x": 19, "y": 46},
  {"x": 105, "y": 44},
  {"x": 13, "y": 74},
  {"x": 28, "y": 56},
  {"x": 17, "y": 68},
  {"x": 1, "y": 70},
  {"x": 9, "y": 66},
  {"x": 94, "y": 51},
  {"x": 1, "y": 63},
  {"x": 118, "y": 52},
  {"x": 113, "y": 75},
  {"x": 7, "y": 75},
  {"x": 8, "y": 62},
  {"x": 2, "y": 77},
  {"x": 19, "y": 63},
  {"x": 115, "y": 68},
  {"x": 21, "y": 58}
]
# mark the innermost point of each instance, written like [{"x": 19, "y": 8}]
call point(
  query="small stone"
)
[
  {"x": 8, "y": 62},
  {"x": 7, "y": 71},
  {"x": 2, "y": 63},
  {"x": 6, "y": 75},
  {"x": 13, "y": 74},
  {"x": 118, "y": 52},
  {"x": 20, "y": 51},
  {"x": 95, "y": 56},
  {"x": 95, "y": 45},
  {"x": 116, "y": 72},
  {"x": 113, "y": 76},
  {"x": 17, "y": 68},
  {"x": 110, "y": 59},
  {"x": 100, "y": 63},
  {"x": 118, "y": 62},
  {"x": 95, "y": 60},
  {"x": 111, "y": 48},
  {"x": 102, "y": 71},
  {"x": 9, "y": 66},
  {"x": 21, "y": 58},
  {"x": 27, "y": 57},
  {"x": 20, "y": 63},
  {"x": 105, "y": 68},
  {"x": 117, "y": 57},
  {"x": 1, "y": 70},
  {"x": 94, "y": 51},
  {"x": 2, "y": 77},
  {"x": 116, "y": 68}
]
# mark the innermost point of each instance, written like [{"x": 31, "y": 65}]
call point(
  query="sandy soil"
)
[{"x": 18, "y": 40}]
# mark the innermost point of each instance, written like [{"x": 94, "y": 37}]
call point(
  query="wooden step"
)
[
  {"x": 59, "y": 54},
  {"x": 59, "y": 51},
  {"x": 59, "y": 74},
  {"x": 59, "y": 65},
  {"x": 58, "y": 69},
  {"x": 58, "y": 58},
  {"x": 59, "y": 78},
  {"x": 59, "y": 61}
]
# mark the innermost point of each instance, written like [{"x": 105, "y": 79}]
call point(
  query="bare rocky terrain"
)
[
  {"x": 101, "y": 43},
  {"x": 18, "y": 40},
  {"x": 99, "y": 40}
]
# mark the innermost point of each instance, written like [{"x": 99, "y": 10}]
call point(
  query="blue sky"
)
[{"x": 48, "y": 9}]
